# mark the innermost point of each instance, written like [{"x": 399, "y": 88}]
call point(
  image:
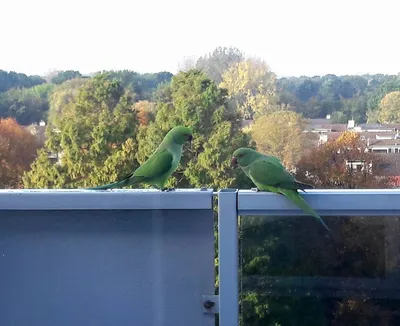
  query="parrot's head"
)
[
  {"x": 242, "y": 156},
  {"x": 181, "y": 135}
]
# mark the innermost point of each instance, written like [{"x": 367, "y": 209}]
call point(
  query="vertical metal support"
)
[
  {"x": 228, "y": 258},
  {"x": 392, "y": 246}
]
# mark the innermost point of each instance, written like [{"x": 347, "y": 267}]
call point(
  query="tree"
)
[
  {"x": 339, "y": 117},
  {"x": 325, "y": 166},
  {"x": 61, "y": 96},
  {"x": 353, "y": 108},
  {"x": 187, "y": 63},
  {"x": 251, "y": 85},
  {"x": 17, "y": 151},
  {"x": 9, "y": 80},
  {"x": 145, "y": 111},
  {"x": 389, "y": 108},
  {"x": 141, "y": 86},
  {"x": 348, "y": 96},
  {"x": 281, "y": 134},
  {"x": 95, "y": 137},
  {"x": 26, "y": 105},
  {"x": 217, "y": 62},
  {"x": 307, "y": 89},
  {"x": 385, "y": 85},
  {"x": 372, "y": 116},
  {"x": 194, "y": 100},
  {"x": 63, "y": 76}
]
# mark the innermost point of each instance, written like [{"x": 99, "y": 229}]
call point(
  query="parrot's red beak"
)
[{"x": 234, "y": 161}]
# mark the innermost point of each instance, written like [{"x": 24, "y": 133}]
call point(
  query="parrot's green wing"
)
[
  {"x": 157, "y": 165},
  {"x": 267, "y": 174},
  {"x": 271, "y": 173}
]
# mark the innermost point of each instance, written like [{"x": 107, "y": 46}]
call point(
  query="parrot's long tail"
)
[
  {"x": 128, "y": 180},
  {"x": 301, "y": 186},
  {"x": 294, "y": 196}
]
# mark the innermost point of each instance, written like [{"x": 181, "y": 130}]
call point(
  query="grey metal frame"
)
[
  {"x": 78, "y": 199},
  {"x": 375, "y": 202},
  {"x": 231, "y": 204},
  {"x": 121, "y": 257}
]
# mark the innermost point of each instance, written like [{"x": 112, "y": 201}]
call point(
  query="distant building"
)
[{"x": 39, "y": 130}]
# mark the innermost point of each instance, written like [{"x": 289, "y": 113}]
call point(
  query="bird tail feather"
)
[
  {"x": 301, "y": 186},
  {"x": 128, "y": 180},
  {"x": 294, "y": 196}
]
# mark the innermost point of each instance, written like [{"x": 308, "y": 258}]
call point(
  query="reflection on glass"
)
[{"x": 295, "y": 273}]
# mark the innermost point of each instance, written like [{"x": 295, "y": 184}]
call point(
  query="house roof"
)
[
  {"x": 338, "y": 127},
  {"x": 318, "y": 122},
  {"x": 383, "y": 142}
]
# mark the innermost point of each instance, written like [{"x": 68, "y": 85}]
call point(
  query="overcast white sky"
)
[{"x": 307, "y": 37}]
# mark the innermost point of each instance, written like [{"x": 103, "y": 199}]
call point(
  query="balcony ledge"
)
[{"x": 117, "y": 199}]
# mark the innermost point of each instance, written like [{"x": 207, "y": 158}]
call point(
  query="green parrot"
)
[
  {"x": 160, "y": 165},
  {"x": 268, "y": 174}
]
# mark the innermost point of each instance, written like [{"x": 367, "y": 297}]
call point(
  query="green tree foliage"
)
[
  {"x": 95, "y": 137},
  {"x": 61, "y": 96},
  {"x": 26, "y": 105},
  {"x": 63, "y": 76},
  {"x": 217, "y": 62},
  {"x": 194, "y": 100},
  {"x": 390, "y": 84},
  {"x": 344, "y": 97},
  {"x": 281, "y": 134},
  {"x": 9, "y": 80},
  {"x": 142, "y": 85},
  {"x": 389, "y": 108},
  {"x": 251, "y": 86}
]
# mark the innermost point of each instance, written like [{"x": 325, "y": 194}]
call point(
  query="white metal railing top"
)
[
  {"x": 327, "y": 202},
  {"x": 81, "y": 199}
]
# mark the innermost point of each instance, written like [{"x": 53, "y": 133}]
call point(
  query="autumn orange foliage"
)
[
  {"x": 326, "y": 167},
  {"x": 144, "y": 111},
  {"x": 18, "y": 149}
]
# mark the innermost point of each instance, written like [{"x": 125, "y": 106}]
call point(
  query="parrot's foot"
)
[
  {"x": 255, "y": 189},
  {"x": 168, "y": 189}
]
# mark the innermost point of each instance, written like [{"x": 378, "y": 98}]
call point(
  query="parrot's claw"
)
[
  {"x": 168, "y": 189},
  {"x": 255, "y": 189}
]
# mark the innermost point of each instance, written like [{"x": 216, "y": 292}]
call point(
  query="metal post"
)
[
  {"x": 228, "y": 258},
  {"x": 392, "y": 245}
]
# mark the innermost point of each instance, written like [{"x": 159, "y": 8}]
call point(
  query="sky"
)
[{"x": 307, "y": 37}]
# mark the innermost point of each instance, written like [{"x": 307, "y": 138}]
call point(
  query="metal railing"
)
[
  {"x": 339, "y": 203},
  {"x": 146, "y": 257},
  {"x": 123, "y": 257}
]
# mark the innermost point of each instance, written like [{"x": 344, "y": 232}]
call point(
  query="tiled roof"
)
[{"x": 383, "y": 142}]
